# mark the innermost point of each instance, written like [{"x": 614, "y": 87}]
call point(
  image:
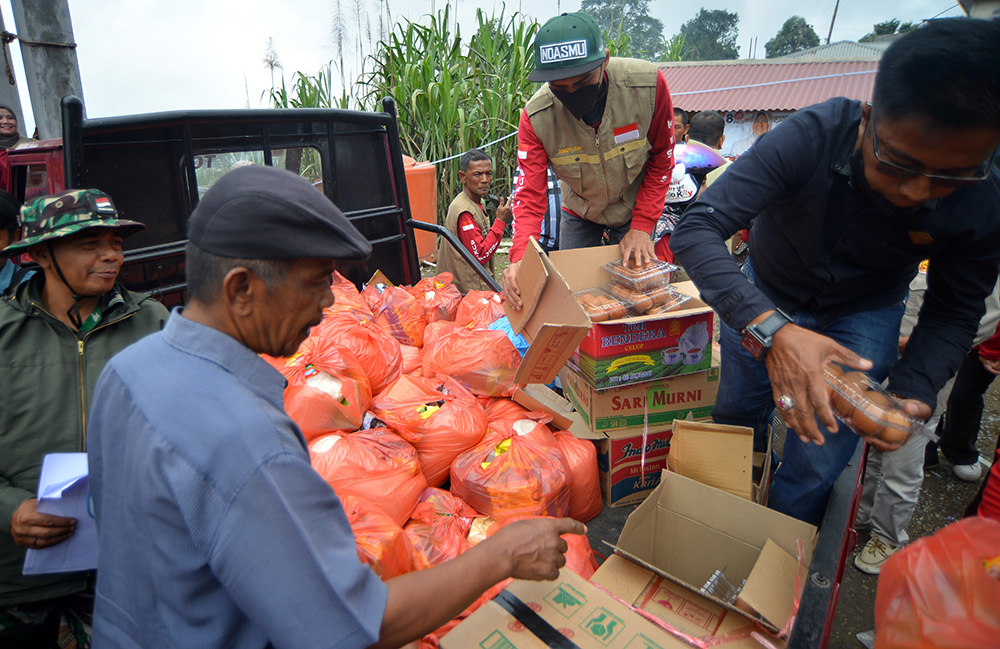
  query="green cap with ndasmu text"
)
[{"x": 567, "y": 46}]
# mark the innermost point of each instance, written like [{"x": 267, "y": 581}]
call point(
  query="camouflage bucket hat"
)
[{"x": 59, "y": 215}]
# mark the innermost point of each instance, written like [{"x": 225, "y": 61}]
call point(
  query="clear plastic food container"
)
[
  {"x": 601, "y": 305},
  {"x": 653, "y": 274},
  {"x": 653, "y": 301},
  {"x": 866, "y": 407}
]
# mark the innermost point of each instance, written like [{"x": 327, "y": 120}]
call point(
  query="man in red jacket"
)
[{"x": 606, "y": 127}]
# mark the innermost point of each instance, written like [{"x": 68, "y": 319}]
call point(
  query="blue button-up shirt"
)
[{"x": 214, "y": 529}]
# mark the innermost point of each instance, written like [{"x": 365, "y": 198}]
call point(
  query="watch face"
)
[{"x": 754, "y": 345}]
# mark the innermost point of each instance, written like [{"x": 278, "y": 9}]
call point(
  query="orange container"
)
[{"x": 421, "y": 185}]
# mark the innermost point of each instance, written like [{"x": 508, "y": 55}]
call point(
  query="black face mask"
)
[{"x": 580, "y": 102}]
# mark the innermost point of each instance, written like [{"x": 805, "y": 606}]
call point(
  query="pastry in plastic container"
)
[
  {"x": 866, "y": 407},
  {"x": 654, "y": 301},
  {"x": 601, "y": 305},
  {"x": 651, "y": 275}
]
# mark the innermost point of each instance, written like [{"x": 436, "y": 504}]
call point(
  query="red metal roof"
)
[{"x": 766, "y": 85}]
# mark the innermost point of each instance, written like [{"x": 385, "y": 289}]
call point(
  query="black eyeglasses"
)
[{"x": 894, "y": 170}]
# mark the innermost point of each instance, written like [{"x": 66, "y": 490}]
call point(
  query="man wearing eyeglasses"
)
[{"x": 847, "y": 199}]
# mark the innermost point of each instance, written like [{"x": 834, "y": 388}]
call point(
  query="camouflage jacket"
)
[{"x": 47, "y": 374}]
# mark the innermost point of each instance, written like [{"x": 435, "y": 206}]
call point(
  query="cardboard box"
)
[
  {"x": 688, "y": 613},
  {"x": 538, "y": 615},
  {"x": 555, "y": 323},
  {"x": 626, "y": 476},
  {"x": 686, "y": 531},
  {"x": 654, "y": 404}
]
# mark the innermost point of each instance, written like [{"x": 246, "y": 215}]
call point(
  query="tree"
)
[
  {"x": 711, "y": 35},
  {"x": 887, "y": 28},
  {"x": 631, "y": 18},
  {"x": 795, "y": 35}
]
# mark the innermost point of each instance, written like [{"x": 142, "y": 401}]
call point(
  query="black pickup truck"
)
[{"x": 157, "y": 166}]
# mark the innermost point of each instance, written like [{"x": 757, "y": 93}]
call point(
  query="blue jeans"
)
[{"x": 807, "y": 472}]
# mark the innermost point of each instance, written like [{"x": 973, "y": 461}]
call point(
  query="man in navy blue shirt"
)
[
  {"x": 214, "y": 529},
  {"x": 846, "y": 199}
]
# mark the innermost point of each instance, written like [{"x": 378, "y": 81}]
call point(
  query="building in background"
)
[{"x": 758, "y": 92}]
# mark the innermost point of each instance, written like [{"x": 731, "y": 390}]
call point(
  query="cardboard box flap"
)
[
  {"x": 713, "y": 454},
  {"x": 770, "y": 589},
  {"x": 531, "y": 280},
  {"x": 539, "y": 397},
  {"x": 568, "y": 612},
  {"x": 555, "y": 326},
  {"x": 686, "y": 530}
]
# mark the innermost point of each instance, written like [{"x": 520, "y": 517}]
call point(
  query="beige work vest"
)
[
  {"x": 451, "y": 261},
  {"x": 600, "y": 172}
]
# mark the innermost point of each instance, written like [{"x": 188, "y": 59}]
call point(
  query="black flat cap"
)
[{"x": 261, "y": 212}]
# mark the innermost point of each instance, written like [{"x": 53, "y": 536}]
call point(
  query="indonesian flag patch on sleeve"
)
[{"x": 625, "y": 134}]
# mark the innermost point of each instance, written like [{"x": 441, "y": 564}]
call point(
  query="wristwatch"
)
[{"x": 757, "y": 338}]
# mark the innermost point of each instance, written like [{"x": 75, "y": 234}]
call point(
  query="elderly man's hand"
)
[
  {"x": 534, "y": 547},
  {"x": 795, "y": 366},
  {"x": 637, "y": 245},
  {"x": 505, "y": 210},
  {"x": 31, "y": 529},
  {"x": 511, "y": 294}
]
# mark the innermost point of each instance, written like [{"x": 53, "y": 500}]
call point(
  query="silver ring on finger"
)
[{"x": 785, "y": 403}]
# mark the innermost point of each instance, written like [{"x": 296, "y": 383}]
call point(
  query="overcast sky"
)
[{"x": 150, "y": 55}]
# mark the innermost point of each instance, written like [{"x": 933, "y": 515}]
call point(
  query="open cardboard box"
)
[
  {"x": 686, "y": 531},
  {"x": 629, "y": 350},
  {"x": 721, "y": 457},
  {"x": 567, "y": 612}
]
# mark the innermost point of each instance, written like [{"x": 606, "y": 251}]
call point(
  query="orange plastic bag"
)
[
  {"x": 376, "y": 464},
  {"x": 438, "y": 297},
  {"x": 440, "y": 423},
  {"x": 401, "y": 315},
  {"x": 504, "y": 408},
  {"x": 413, "y": 358},
  {"x": 327, "y": 390},
  {"x": 438, "y": 527},
  {"x": 382, "y": 544},
  {"x": 372, "y": 290},
  {"x": 480, "y": 309},
  {"x": 531, "y": 424},
  {"x": 347, "y": 299},
  {"x": 942, "y": 590},
  {"x": 376, "y": 350},
  {"x": 512, "y": 476},
  {"x": 585, "y": 491},
  {"x": 482, "y": 360}
]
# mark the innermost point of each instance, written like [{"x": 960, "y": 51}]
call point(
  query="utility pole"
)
[
  {"x": 9, "y": 96},
  {"x": 832, "y": 20},
  {"x": 48, "y": 49}
]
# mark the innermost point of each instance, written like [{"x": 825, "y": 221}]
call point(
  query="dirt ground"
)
[{"x": 943, "y": 500}]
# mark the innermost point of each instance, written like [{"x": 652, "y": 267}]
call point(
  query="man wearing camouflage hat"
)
[
  {"x": 57, "y": 330},
  {"x": 606, "y": 127}
]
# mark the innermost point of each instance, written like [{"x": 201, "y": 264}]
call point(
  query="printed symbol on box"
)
[
  {"x": 603, "y": 626},
  {"x": 496, "y": 640},
  {"x": 566, "y": 600},
  {"x": 642, "y": 642},
  {"x": 701, "y": 617},
  {"x": 515, "y": 626}
]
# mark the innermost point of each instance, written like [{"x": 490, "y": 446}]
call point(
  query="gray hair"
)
[{"x": 206, "y": 271}]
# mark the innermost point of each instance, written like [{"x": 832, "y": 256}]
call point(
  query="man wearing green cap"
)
[
  {"x": 57, "y": 331},
  {"x": 606, "y": 127}
]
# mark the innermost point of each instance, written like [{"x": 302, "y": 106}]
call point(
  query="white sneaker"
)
[
  {"x": 968, "y": 472},
  {"x": 873, "y": 555}
]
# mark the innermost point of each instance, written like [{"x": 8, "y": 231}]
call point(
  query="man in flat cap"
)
[
  {"x": 214, "y": 529},
  {"x": 606, "y": 126},
  {"x": 57, "y": 331}
]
